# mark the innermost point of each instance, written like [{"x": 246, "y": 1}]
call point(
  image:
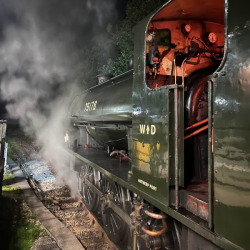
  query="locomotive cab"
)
[
  {"x": 184, "y": 46},
  {"x": 184, "y": 49}
]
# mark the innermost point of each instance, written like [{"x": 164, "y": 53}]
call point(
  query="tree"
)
[
  {"x": 94, "y": 57},
  {"x": 123, "y": 36},
  {"x": 120, "y": 41}
]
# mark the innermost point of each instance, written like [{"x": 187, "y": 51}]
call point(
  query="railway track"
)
[{"x": 57, "y": 198}]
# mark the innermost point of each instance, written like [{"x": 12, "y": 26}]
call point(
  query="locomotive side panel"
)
[{"x": 232, "y": 132}]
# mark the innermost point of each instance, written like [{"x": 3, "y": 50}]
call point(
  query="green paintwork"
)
[
  {"x": 154, "y": 162},
  {"x": 232, "y": 131},
  {"x": 153, "y": 153},
  {"x": 149, "y": 152},
  {"x": 106, "y": 134},
  {"x": 186, "y": 220},
  {"x": 210, "y": 154},
  {"x": 230, "y": 178},
  {"x": 113, "y": 104}
]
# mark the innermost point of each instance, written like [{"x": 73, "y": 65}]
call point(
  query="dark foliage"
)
[{"x": 111, "y": 52}]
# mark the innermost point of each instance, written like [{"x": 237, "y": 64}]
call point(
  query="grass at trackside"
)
[
  {"x": 13, "y": 148},
  {"x": 8, "y": 179},
  {"x": 18, "y": 228}
]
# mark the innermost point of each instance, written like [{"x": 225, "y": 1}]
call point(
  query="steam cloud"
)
[{"x": 40, "y": 66}]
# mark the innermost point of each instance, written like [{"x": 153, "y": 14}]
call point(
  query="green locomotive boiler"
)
[{"x": 162, "y": 152}]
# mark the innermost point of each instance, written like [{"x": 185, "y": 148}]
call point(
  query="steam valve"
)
[{"x": 194, "y": 49}]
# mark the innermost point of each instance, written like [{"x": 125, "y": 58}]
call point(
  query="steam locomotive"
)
[{"x": 162, "y": 152}]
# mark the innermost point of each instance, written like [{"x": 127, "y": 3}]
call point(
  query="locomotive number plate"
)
[{"x": 90, "y": 106}]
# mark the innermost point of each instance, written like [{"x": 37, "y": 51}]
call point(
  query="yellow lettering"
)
[
  {"x": 142, "y": 128},
  {"x": 153, "y": 129}
]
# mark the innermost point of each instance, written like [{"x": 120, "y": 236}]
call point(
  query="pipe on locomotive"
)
[
  {"x": 196, "y": 132},
  {"x": 196, "y": 124},
  {"x": 158, "y": 217},
  {"x": 156, "y": 233},
  {"x": 155, "y": 216}
]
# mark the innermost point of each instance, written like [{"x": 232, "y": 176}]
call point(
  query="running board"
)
[{"x": 191, "y": 204}]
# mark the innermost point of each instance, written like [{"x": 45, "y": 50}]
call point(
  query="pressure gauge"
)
[
  {"x": 186, "y": 28},
  {"x": 212, "y": 37},
  {"x": 150, "y": 38}
]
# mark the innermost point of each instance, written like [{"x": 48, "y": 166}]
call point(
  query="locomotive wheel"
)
[
  {"x": 126, "y": 203},
  {"x": 98, "y": 211},
  {"x": 90, "y": 198},
  {"x": 113, "y": 225}
]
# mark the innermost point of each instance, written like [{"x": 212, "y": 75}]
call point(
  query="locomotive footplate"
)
[
  {"x": 103, "y": 161},
  {"x": 194, "y": 199}
]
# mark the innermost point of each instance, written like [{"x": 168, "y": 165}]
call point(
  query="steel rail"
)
[{"x": 29, "y": 176}]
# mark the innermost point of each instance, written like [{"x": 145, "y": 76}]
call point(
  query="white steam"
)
[
  {"x": 40, "y": 66},
  {"x": 102, "y": 9}
]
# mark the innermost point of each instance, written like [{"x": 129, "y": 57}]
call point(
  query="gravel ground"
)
[
  {"x": 75, "y": 216},
  {"x": 58, "y": 200},
  {"x": 40, "y": 171}
]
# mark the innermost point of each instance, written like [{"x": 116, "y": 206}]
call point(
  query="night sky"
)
[
  {"x": 75, "y": 16},
  {"x": 41, "y": 45}
]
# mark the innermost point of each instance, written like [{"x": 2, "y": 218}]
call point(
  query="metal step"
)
[{"x": 194, "y": 199}]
